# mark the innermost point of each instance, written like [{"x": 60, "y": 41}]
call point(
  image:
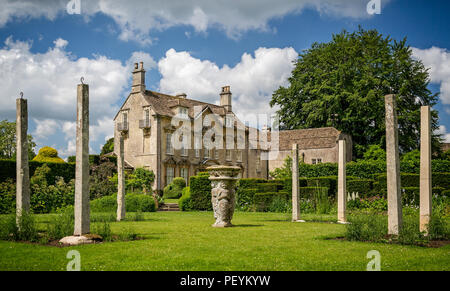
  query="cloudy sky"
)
[{"x": 190, "y": 46}]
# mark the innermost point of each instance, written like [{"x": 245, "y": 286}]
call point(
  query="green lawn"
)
[{"x": 259, "y": 241}]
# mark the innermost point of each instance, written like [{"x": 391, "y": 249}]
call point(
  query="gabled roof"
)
[
  {"x": 312, "y": 138},
  {"x": 162, "y": 104}
]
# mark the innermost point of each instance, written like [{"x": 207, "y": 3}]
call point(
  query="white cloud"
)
[
  {"x": 252, "y": 80},
  {"x": 438, "y": 60},
  {"x": 137, "y": 18},
  {"x": 45, "y": 128},
  {"x": 445, "y": 135},
  {"x": 49, "y": 82}
]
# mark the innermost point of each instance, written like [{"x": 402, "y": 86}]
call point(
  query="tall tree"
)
[
  {"x": 8, "y": 141},
  {"x": 108, "y": 147},
  {"x": 342, "y": 83}
]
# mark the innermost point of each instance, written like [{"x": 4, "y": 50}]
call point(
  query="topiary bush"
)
[
  {"x": 200, "y": 190},
  {"x": 185, "y": 202},
  {"x": 48, "y": 154},
  {"x": 174, "y": 190}
]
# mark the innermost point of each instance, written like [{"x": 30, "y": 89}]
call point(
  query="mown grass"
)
[{"x": 259, "y": 241}]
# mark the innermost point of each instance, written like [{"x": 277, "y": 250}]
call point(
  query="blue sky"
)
[{"x": 187, "y": 46}]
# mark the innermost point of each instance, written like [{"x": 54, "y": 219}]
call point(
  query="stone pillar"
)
[
  {"x": 393, "y": 167},
  {"x": 223, "y": 193},
  {"x": 121, "y": 181},
  {"x": 22, "y": 170},
  {"x": 295, "y": 185},
  {"x": 342, "y": 180},
  {"x": 425, "y": 168},
  {"x": 82, "y": 209}
]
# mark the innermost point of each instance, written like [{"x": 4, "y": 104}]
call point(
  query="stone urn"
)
[{"x": 223, "y": 193}]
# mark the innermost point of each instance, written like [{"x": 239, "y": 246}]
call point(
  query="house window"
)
[
  {"x": 217, "y": 154},
  {"x": 184, "y": 174},
  {"x": 184, "y": 151},
  {"x": 206, "y": 153},
  {"x": 169, "y": 148},
  {"x": 239, "y": 156},
  {"x": 183, "y": 111},
  {"x": 125, "y": 118},
  {"x": 228, "y": 121},
  {"x": 197, "y": 147},
  {"x": 316, "y": 161},
  {"x": 169, "y": 175},
  {"x": 228, "y": 155}
]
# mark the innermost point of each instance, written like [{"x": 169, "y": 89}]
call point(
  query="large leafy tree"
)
[
  {"x": 8, "y": 141},
  {"x": 108, "y": 147},
  {"x": 342, "y": 83}
]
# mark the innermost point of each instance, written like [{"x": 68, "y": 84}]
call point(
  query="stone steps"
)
[{"x": 169, "y": 207}]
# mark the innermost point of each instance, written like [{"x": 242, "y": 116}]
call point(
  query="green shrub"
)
[
  {"x": 328, "y": 182},
  {"x": 366, "y": 228},
  {"x": 133, "y": 203},
  {"x": 322, "y": 201},
  {"x": 246, "y": 183},
  {"x": 361, "y": 186},
  {"x": 267, "y": 187},
  {"x": 441, "y": 180},
  {"x": 61, "y": 225},
  {"x": 410, "y": 196},
  {"x": 185, "y": 202},
  {"x": 262, "y": 201},
  {"x": 7, "y": 197},
  {"x": 200, "y": 189},
  {"x": 103, "y": 229},
  {"x": 309, "y": 193},
  {"x": 280, "y": 205},
  {"x": 174, "y": 189},
  {"x": 24, "y": 229},
  {"x": 244, "y": 198}
]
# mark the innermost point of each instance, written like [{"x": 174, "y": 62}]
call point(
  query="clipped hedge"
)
[
  {"x": 310, "y": 192},
  {"x": 133, "y": 203},
  {"x": 262, "y": 201},
  {"x": 244, "y": 197},
  {"x": 64, "y": 170},
  {"x": 200, "y": 190},
  {"x": 361, "y": 186},
  {"x": 250, "y": 182},
  {"x": 94, "y": 159},
  {"x": 328, "y": 182},
  {"x": 438, "y": 180}
]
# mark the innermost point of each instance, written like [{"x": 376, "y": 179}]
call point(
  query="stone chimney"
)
[
  {"x": 225, "y": 98},
  {"x": 138, "y": 84},
  {"x": 182, "y": 95}
]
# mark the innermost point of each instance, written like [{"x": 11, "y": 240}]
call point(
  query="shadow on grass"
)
[{"x": 247, "y": 225}]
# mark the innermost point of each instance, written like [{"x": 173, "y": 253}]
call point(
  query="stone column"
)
[
  {"x": 425, "y": 168},
  {"x": 22, "y": 170},
  {"x": 295, "y": 185},
  {"x": 82, "y": 209},
  {"x": 121, "y": 181},
  {"x": 223, "y": 193},
  {"x": 393, "y": 167},
  {"x": 342, "y": 180}
]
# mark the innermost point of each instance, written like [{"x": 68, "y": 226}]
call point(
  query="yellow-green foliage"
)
[{"x": 48, "y": 155}]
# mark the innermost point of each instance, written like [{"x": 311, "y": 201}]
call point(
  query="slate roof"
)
[{"x": 312, "y": 138}]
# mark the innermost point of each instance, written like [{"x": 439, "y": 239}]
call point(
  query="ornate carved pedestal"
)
[{"x": 223, "y": 193}]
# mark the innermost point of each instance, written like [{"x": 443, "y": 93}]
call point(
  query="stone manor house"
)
[{"x": 145, "y": 122}]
